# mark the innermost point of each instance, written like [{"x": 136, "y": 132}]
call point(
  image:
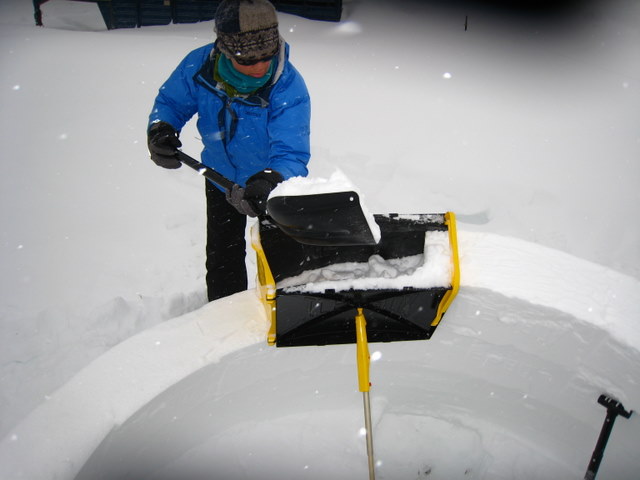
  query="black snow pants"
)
[{"x": 226, "y": 246}]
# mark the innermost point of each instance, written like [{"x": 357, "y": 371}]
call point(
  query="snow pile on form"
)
[
  {"x": 432, "y": 269},
  {"x": 337, "y": 182}
]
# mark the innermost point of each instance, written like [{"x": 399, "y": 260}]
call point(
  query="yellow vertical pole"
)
[{"x": 364, "y": 384}]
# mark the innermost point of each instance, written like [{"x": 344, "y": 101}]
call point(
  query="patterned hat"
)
[{"x": 247, "y": 30}]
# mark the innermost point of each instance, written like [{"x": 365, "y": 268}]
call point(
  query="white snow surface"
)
[
  {"x": 524, "y": 126},
  {"x": 433, "y": 268},
  {"x": 337, "y": 182}
]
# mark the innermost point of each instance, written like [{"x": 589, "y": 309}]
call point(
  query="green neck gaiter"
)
[{"x": 243, "y": 84}]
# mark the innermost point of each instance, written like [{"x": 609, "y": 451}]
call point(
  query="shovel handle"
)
[{"x": 205, "y": 171}]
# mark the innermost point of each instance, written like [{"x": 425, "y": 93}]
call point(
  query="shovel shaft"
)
[
  {"x": 322, "y": 219},
  {"x": 205, "y": 171}
]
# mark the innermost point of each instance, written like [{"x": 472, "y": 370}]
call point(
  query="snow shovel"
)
[{"x": 323, "y": 219}]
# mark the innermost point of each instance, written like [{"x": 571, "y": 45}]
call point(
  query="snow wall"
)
[{"x": 506, "y": 389}]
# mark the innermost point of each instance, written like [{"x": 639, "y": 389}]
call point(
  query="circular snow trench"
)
[{"x": 504, "y": 390}]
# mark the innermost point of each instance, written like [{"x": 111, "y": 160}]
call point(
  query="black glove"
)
[
  {"x": 252, "y": 200},
  {"x": 163, "y": 142}
]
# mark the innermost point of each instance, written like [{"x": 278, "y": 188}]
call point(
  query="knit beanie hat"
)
[{"x": 247, "y": 30}]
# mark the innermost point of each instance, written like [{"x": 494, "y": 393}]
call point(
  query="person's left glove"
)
[
  {"x": 252, "y": 199},
  {"x": 163, "y": 143}
]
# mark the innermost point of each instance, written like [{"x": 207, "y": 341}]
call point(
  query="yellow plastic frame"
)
[
  {"x": 265, "y": 284},
  {"x": 450, "y": 221}
]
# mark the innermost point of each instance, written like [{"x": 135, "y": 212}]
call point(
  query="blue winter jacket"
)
[{"x": 241, "y": 136}]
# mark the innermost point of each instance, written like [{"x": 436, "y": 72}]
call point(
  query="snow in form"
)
[{"x": 428, "y": 270}]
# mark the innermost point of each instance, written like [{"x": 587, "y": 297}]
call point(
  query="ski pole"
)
[
  {"x": 364, "y": 384},
  {"x": 614, "y": 408}
]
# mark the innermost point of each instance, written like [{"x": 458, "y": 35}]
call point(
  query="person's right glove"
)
[{"x": 163, "y": 143}]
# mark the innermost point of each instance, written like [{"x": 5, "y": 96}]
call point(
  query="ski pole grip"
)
[{"x": 613, "y": 406}]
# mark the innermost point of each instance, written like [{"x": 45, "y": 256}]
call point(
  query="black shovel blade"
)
[{"x": 323, "y": 219}]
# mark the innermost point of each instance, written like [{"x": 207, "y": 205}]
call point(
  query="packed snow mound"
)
[{"x": 552, "y": 278}]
